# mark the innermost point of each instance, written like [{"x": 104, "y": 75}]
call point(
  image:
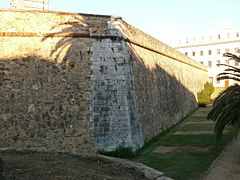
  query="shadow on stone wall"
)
[
  {"x": 73, "y": 43},
  {"x": 44, "y": 105},
  {"x": 162, "y": 99},
  {"x": 45, "y": 102}
]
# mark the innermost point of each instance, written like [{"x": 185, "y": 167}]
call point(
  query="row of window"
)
[
  {"x": 217, "y": 81},
  {"x": 211, "y": 38},
  {"x": 218, "y": 62},
  {"x": 210, "y": 52},
  {"x": 210, "y": 79}
]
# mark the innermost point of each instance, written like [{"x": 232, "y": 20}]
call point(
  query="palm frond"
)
[
  {"x": 232, "y": 56},
  {"x": 228, "y": 66},
  {"x": 230, "y": 73},
  {"x": 226, "y": 107},
  {"x": 222, "y": 77},
  {"x": 226, "y": 110}
]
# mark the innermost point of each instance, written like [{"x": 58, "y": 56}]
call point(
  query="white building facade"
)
[
  {"x": 30, "y": 4},
  {"x": 208, "y": 49}
]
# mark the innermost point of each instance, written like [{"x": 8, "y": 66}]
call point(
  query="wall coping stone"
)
[
  {"x": 56, "y": 12},
  {"x": 115, "y": 20}
]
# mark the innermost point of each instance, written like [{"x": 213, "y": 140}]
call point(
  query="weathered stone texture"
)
[
  {"x": 44, "y": 105},
  {"x": 165, "y": 89},
  {"x": 166, "y": 82},
  {"x": 70, "y": 81},
  {"x": 44, "y": 83},
  {"x": 115, "y": 118},
  {"x": 46, "y": 34}
]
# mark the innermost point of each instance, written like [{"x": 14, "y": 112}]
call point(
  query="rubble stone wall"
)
[
  {"x": 166, "y": 82},
  {"x": 45, "y": 81},
  {"x": 79, "y": 82}
]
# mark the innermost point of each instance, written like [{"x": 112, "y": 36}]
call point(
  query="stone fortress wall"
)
[{"x": 79, "y": 82}]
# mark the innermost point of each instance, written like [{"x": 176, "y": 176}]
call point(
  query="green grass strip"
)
[{"x": 184, "y": 165}]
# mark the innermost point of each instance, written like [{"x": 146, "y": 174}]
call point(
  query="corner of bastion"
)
[{"x": 78, "y": 83}]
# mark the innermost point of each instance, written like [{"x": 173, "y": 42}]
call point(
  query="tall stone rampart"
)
[
  {"x": 45, "y": 81},
  {"x": 79, "y": 82},
  {"x": 166, "y": 82}
]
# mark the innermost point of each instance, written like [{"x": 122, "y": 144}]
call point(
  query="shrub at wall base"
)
[{"x": 204, "y": 96}]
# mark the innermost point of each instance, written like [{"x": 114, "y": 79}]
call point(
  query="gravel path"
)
[
  {"x": 38, "y": 166},
  {"x": 227, "y": 165}
]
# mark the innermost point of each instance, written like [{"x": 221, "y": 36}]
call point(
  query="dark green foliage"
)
[
  {"x": 226, "y": 107},
  {"x": 204, "y": 96},
  {"x": 184, "y": 165},
  {"x": 226, "y": 110},
  {"x": 231, "y": 72},
  {"x": 120, "y": 152}
]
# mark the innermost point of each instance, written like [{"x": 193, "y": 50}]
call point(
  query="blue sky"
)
[{"x": 163, "y": 19}]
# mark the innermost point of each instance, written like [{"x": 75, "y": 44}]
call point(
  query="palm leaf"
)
[
  {"x": 232, "y": 56},
  {"x": 226, "y": 110},
  {"x": 226, "y": 107}
]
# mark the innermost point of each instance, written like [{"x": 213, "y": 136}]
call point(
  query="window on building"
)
[
  {"x": 201, "y": 53},
  {"x": 210, "y": 79},
  {"x": 30, "y": 4},
  {"x": 217, "y": 81},
  {"x": 209, "y": 63},
  {"x": 209, "y": 52},
  {"x": 236, "y": 63},
  {"x": 219, "y": 36},
  {"x": 227, "y": 50},
  {"x": 186, "y": 53},
  {"x": 236, "y": 50},
  {"x": 218, "y": 63},
  {"x": 218, "y": 51},
  {"x": 193, "y": 53},
  {"x": 187, "y": 41},
  {"x": 237, "y": 34},
  {"x": 201, "y": 62}
]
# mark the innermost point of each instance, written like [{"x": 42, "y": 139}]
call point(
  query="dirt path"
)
[
  {"x": 38, "y": 166},
  {"x": 227, "y": 165}
]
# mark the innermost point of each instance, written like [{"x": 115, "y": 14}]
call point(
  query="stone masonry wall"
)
[
  {"x": 45, "y": 81},
  {"x": 141, "y": 86},
  {"x": 115, "y": 118},
  {"x": 166, "y": 82},
  {"x": 77, "y": 82}
]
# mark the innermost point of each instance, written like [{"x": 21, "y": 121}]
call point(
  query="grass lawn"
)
[{"x": 185, "y": 165}]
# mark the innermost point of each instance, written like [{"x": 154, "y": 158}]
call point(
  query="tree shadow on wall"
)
[
  {"x": 163, "y": 99},
  {"x": 45, "y": 101},
  {"x": 49, "y": 96},
  {"x": 70, "y": 41}
]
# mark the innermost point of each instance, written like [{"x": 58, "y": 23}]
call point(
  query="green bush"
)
[
  {"x": 120, "y": 152},
  {"x": 209, "y": 88},
  {"x": 204, "y": 96}
]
